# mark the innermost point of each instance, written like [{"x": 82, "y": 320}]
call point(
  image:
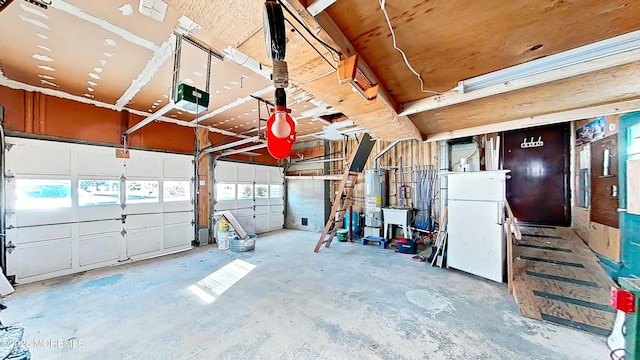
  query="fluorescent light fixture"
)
[{"x": 600, "y": 49}]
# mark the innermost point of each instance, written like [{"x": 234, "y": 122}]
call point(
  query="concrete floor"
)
[{"x": 348, "y": 301}]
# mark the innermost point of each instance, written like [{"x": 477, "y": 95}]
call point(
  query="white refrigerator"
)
[{"x": 476, "y": 238}]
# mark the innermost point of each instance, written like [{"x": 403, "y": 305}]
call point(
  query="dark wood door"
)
[
  {"x": 538, "y": 185},
  {"x": 604, "y": 181}
]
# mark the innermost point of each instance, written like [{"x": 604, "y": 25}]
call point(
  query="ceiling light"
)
[
  {"x": 88, "y": 95},
  {"x": 42, "y": 57},
  {"x": 44, "y": 48},
  {"x": 126, "y": 10},
  {"x": 42, "y": 36},
  {"x": 180, "y": 112},
  {"x": 196, "y": 73},
  {"x": 234, "y": 83},
  {"x": 110, "y": 42},
  {"x": 46, "y": 77},
  {"x": 226, "y": 87},
  {"x": 48, "y": 68},
  {"x": 92, "y": 83},
  {"x": 94, "y": 76},
  {"x": 600, "y": 49},
  {"x": 90, "y": 89},
  {"x": 165, "y": 96},
  {"x": 103, "y": 62},
  {"x": 108, "y": 54},
  {"x": 155, "y": 9},
  {"x": 217, "y": 91}
]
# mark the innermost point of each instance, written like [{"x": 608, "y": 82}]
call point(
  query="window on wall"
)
[
  {"x": 139, "y": 192},
  {"x": 262, "y": 191},
  {"x": 634, "y": 139},
  {"x": 225, "y": 191},
  {"x": 176, "y": 191},
  {"x": 42, "y": 194},
  {"x": 98, "y": 192},
  {"x": 245, "y": 191},
  {"x": 276, "y": 191}
]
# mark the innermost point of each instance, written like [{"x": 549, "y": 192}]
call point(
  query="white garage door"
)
[
  {"x": 74, "y": 207},
  {"x": 253, "y": 193}
]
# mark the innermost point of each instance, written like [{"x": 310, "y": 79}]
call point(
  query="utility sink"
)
[{"x": 397, "y": 216}]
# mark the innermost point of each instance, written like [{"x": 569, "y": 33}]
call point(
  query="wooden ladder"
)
[{"x": 349, "y": 180}]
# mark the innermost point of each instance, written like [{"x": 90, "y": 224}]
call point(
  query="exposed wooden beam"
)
[
  {"x": 318, "y": 6},
  {"x": 559, "y": 117},
  {"x": 454, "y": 97}
]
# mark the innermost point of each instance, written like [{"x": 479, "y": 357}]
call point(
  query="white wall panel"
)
[
  {"x": 94, "y": 164},
  {"x": 99, "y": 249},
  {"x": 43, "y": 258}
]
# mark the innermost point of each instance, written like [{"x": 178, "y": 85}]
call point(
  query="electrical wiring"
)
[
  {"x": 313, "y": 47},
  {"x": 327, "y": 46},
  {"x": 404, "y": 56}
]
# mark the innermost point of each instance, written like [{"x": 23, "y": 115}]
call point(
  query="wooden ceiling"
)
[
  {"x": 102, "y": 52},
  {"x": 452, "y": 40},
  {"x": 445, "y": 40}
]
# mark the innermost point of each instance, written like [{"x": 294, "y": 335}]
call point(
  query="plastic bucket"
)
[
  {"x": 223, "y": 225},
  {"x": 342, "y": 235},
  {"x": 223, "y": 238}
]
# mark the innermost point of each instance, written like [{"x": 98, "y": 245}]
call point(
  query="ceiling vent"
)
[
  {"x": 155, "y": 9},
  {"x": 191, "y": 100},
  {"x": 4, "y": 4}
]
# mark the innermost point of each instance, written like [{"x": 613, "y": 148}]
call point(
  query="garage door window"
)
[
  {"x": 276, "y": 191},
  {"x": 245, "y": 191},
  {"x": 225, "y": 192},
  {"x": 143, "y": 192},
  {"x": 262, "y": 191},
  {"x": 176, "y": 191},
  {"x": 98, "y": 192},
  {"x": 42, "y": 194}
]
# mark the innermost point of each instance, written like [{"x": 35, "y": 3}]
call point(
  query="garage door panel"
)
[
  {"x": 178, "y": 236},
  {"x": 101, "y": 163},
  {"x": 99, "y": 249},
  {"x": 225, "y": 205},
  {"x": 142, "y": 242},
  {"x": 42, "y": 233},
  {"x": 245, "y": 174},
  {"x": 178, "y": 218},
  {"x": 244, "y": 212},
  {"x": 263, "y": 224},
  {"x": 144, "y": 165},
  {"x": 43, "y": 258},
  {"x": 51, "y": 161},
  {"x": 276, "y": 221},
  {"x": 99, "y": 227},
  {"x": 226, "y": 173},
  {"x": 178, "y": 206},
  {"x": 276, "y": 176},
  {"x": 262, "y": 175},
  {"x": 277, "y": 209},
  {"x": 263, "y": 210},
  {"x": 143, "y": 221},
  {"x": 176, "y": 166},
  {"x": 143, "y": 208},
  {"x": 248, "y": 224},
  {"x": 55, "y": 235},
  {"x": 89, "y": 213}
]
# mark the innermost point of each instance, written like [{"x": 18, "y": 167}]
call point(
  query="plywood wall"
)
[
  {"x": 413, "y": 153},
  {"x": 602, "y": 239}
]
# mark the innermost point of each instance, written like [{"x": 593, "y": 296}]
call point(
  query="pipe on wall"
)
[
  {"x": 385, "y": 150},
  {"x": 443, "y": 164}
]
